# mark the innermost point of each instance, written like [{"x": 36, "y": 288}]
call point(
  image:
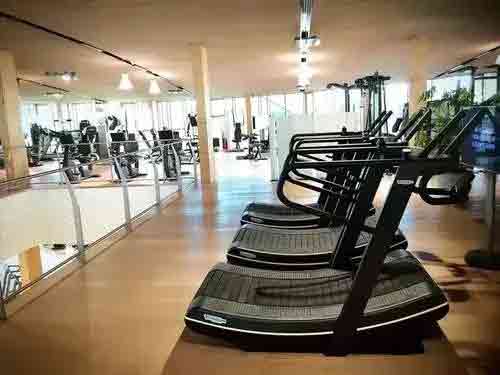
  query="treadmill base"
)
[
  {"x": 483, "y": 259},
  {"x": 398, "y": 339}
]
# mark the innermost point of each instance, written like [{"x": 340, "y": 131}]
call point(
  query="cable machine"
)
[{"x": 373, "y": 90}]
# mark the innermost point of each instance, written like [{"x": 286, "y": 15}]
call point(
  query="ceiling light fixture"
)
[
  {"x": 305, "y": 41},
  {"x": 175, "y": 91},
  {"x": 55, "y": 95},
  {"x": 125, "y": 83},
  {"x": 59, "y": 89},
  {"x": 82, "y": 43},
  {"x": 154, "y": 88},
  {"x": 65, "y": 76}
]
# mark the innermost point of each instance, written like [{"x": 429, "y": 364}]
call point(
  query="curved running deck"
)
[
  {"x": 304, "y": 303},
  {"x": 259, "y": 246}
]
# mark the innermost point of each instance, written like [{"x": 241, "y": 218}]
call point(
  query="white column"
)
[
  {"x": 11, "y": 132},
  {"x": 202, "y": 95},
  {"x": 418, "y": 84},
  {"x": 248, "y": 115},
  {"x": 154, "y": 114},
  {"x": 417, "y": 75}
]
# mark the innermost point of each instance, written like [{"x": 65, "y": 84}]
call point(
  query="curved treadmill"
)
[
  {"x": 376, "y": 292},
  {"x": 278, "y": 215},
  {"x": 292, "y": 249},
  {"x": 246, "y": 300}
]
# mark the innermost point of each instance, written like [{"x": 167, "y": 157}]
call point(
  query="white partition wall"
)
[{"x": 282, "y": 129}]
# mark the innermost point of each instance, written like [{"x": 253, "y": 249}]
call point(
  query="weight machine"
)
[{"x": 373, "y": 91}]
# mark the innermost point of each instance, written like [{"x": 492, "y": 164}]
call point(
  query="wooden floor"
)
[{"x": 123, "y": 312}]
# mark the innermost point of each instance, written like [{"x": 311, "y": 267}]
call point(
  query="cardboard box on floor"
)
[{"x": 198, "y": 354}]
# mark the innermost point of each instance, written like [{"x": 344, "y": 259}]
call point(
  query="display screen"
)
[{"x": 482, "y": 147}]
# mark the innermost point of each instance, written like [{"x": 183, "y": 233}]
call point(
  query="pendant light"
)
[
  {"x": 154, "y": 88},
  {"x": 125, "y": 83}
]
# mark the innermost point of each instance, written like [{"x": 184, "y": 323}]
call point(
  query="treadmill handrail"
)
[
  {"x": 345, "y": 138},
  {"x": 443, "y": 133},
  {"x": 298, "y": 136},
  {"x": 414, "y": 122}
]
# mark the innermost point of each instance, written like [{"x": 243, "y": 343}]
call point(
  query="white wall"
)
[{"x": 34, "y": 217}]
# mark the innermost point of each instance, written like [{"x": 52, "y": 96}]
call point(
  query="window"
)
[
  {"x": 294, "y": 103},
  {"x": 218, "y": 107},
  {"x": 310, "y": 103},
  {"x": 323, "y": 102},
  {"x": 277, "y": 107},
  {"x": 355, "y": 100},
  {"x": 444, "y": 85}
]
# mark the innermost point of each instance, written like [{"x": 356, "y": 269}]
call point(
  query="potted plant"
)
[{"x": 443, "y": 111}]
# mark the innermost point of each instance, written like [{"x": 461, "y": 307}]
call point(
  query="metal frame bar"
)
[
  {"x": 156, "y": 184},
  {"x": 3, "y": 312},
  {"x": 77, "y": 217},
  {"x": 178, "y": 166},
  {"x": 490, "y": 211},
  {"x": 126, "y": 197},
  {"x": 345, "y": 327}
]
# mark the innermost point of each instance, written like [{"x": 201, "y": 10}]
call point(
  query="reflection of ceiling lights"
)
[
  {"x": 154, "y": 88},
  {"x": 54, "y": 95},
  {"x": 125, "y": 83},
  {"x": 65, "y": 76},
  {"x": 497, "y": 61}
]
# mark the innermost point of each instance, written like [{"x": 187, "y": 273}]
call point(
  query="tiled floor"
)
[{"x": 123, "y": 312}]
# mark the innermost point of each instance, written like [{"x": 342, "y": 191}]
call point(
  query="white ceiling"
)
[{"x": 250, "y": 42}]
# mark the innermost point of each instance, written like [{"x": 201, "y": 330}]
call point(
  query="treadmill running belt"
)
[
  {"x": 276, "y": 209},
  {"x": 263, "y": 301},
  {"x": 298, "y": 242}
]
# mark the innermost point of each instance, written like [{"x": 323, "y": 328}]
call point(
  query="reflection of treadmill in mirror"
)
[{"x": 121, "y": 145}]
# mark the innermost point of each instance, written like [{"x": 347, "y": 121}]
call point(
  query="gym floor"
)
[{"x": 123, "y": 312}]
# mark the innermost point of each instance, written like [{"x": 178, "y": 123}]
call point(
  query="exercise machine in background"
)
[
  {"x": 172, "y": 149},
  {"x": 373, "y": 91},
  {"x": 78, "y": 165},
  {"x": 124, "y": 147},
  {"x": 237, "y": 138},
  {"x": 254, "y": 148}
]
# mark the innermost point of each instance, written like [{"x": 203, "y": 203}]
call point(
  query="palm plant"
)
[{"x": 443, "y": 110}]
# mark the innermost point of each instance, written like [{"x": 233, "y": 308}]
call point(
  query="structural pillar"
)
[
  {"x": 418, "y": 84},
  {"x": 60, "y": 117},
  {"x": 417, "y": 76},
  {"x": 30, "y": 262},
  {"x": 202, "y": 96},
  {"x": 248, "y": 114},
  {"x": 154, "y": 114},
  {"x": 11, "y": 132}
]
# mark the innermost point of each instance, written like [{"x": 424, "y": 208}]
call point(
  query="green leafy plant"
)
[{"x": 443, "y": 110}]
